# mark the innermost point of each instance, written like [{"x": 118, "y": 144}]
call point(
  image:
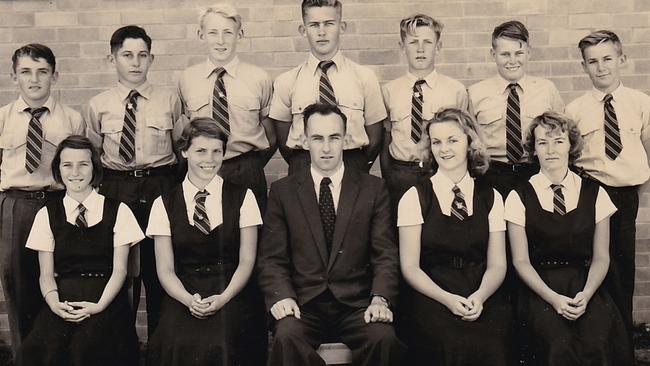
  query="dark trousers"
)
[
  {"x": 139, "y": 194},
  {"x": 323, "y": 319},
  {"x": 299, "y": 160},
  {"x": 19, "y": 270},
  {"x": 247, "y": 170},
  {"x": 402, "y": 175}
]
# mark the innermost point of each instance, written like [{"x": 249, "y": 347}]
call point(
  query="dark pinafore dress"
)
[
  {"x": 237, "y": 333},
  {"x": 560, "y": 249},
  {"x": 83, "y": 263},
  {"x": 454, "y": 255}
]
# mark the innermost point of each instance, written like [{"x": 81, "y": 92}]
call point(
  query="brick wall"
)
[{"x": 79, "y": 30}]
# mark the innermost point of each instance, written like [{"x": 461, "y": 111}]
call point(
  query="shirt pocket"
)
[
  {"x": 488, "y": 120},
  {"x": 11, "y": 143},
  {"x": 158, "y": 137},
  {"x": 400, "y": 112},
  {"x": 197, "y": 106},
  {"x": 111, "y": 130}
]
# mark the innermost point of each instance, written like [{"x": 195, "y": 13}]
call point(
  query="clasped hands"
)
[
  {"x": 201, "y": 308},
  {"x": 75, "y": 311},
  {"x": 569, "y": 308},
  {"x": 377, "y": 312},
  {"x": 468, "y": 309}
]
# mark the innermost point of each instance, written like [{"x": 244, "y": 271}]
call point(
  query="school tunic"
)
[
  {"x": 237, "y": 333},
  {"x": 83, "y": 263},
  {"x": 454, "y": 255},
  {"x": 560, "y": 249}
]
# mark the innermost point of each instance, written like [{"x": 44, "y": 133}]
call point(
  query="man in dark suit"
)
[{"x": 328, "y": 258}]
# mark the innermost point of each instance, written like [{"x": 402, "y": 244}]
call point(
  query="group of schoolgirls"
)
[{"x": 73, "y": 207}]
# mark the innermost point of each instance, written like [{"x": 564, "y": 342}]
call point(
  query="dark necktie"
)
[
  {"x": 200, "y": 218},
  {"x": 416, "y": 111},
  {"x": 81, "y": 217},
  {"x": 458, "y": 206},
  {"x": 613, "y": 146},
  {"x": 127, "y": 142},
  {"x": 559, "y": 207},
  {"x": 514, "y": 150},
  {"x": 34, "y": 147},
  {"x": 327, "y": 213},
  {"x": 220, "y": 101},
  {"x": 325, "y": 90}
]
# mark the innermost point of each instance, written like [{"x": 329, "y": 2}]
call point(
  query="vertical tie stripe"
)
[
  {"x": 81, "y": 216},
  {"x": 416, "y": 112},
  {"x": 458, "y": 205},
  {"x": 127, "y": 142},
  {"x": 559, "y": 206},
  {"x": 200, "y": 217},
  {"x": 327, "y": 212},
  {"x": 325, "y": 90},
  {"x": 613, "y": 146},
  {"x": 34, "y": 146},
  {"x": 514, "y": 150},
  {"x": 220, "y": 101}
]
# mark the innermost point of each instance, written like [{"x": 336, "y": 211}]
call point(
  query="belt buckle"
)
[
  {"x": 39, "y": 195},
  {"x": 139, "y": 173}
]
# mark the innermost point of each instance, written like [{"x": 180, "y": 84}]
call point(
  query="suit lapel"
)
[
  {"x": 347, "y": 201},
  {"x": 309, "y": 203}
]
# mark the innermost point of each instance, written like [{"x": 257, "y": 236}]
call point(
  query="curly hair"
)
[
  {"x": 477, "y": 156},
  {"x": 554, "y": 122}
]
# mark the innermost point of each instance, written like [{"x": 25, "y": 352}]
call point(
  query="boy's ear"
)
[
  {"x": 14, "y": 77},
  {"x": 344, "y": 26},
  {"x": 623, "y": 59},
  {"x": 199, "y": 33},
  {"x": 184, "y": 154},
  {"x": 55, "y": 77},
  {"x": 303, "y": 138},
  {"x": 347, "y": 140},
  {"x": 302, "y": 30},
  {"x": 493, "y": 54},
  {"x": 111, "y": 58}
]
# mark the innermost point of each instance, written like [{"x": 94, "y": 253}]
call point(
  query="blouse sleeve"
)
[
  {"x": 604, "y": 205},
  {"x": 496, "y": 219},
  {"x": 249, "y": 212},
  {"x": 127, "y": 230},
  {"x": 515, "y": 211},
  {"x": 158, "y": 220},
  {"x": 409, "y": 212},
  {"x": 40, "y": 236}
]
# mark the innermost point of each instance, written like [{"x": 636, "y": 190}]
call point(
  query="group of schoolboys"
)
[{"x": 135, "y": 123}]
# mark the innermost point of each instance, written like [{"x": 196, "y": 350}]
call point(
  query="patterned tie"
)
[
  {"x": 220, "y": 101},
  {"x": 34, "y": 146},
  {"x": 613, "y": 144},
  {"x": 416, "y": 111},
  {"x": 327, "y": 213},
  {"x": 200, "y": 217},
  {"x": 325, "y": 90},
  {"x": 127, "y": 143},
  {"x": 81, "y": 217},
  {"x": 559, "y": 207},
  {"x": 458, "y": 206},
  {"x": 514, "y": 150}
]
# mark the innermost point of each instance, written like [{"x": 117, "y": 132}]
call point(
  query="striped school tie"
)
[
  {"x": 416, "y": 111},
  {"x": 127, "y": 142},
  {"x": 220, "y": 101},
  {"x": 81, "y": 217},
  {"x": 34, "y": 147},
  {"x": 458, "y": 205},
  {"x": 559, "y": 207},
  {"x": 325, "y": 90},
  {"x": 200, "y": 217},
  {"x": 613, "y": 146},
  {"x": 514, "y": 150}
]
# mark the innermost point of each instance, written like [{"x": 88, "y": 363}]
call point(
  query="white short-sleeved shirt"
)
[
  {"x": 249, "y": 212},
  {"x": 516, "y": 211},
  {"x": 409, "y": 211},
  {"x": 126, "y": 230}
]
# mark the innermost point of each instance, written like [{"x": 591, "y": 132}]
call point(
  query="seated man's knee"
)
[
  {"x": 288, "y": 329},
  {"x": 381, "y": 334}
]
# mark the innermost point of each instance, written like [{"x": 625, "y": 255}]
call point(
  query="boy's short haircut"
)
[
  {"x": 79, "y": 143},
  {"x": 554, "y": 122},
  {"x": 600, "y": 36},
  {"x": 224, "y": 9},
  {"x": 202, "y": 126},
  {"x": 408, "y": 25},
  {"x": 306, "y": 4},
  {"x": 513, "y": 29},
  {"x": 35, "y": 51},
  {"x": 324, "y": 109},
  {"x": 129, "y": 31}
]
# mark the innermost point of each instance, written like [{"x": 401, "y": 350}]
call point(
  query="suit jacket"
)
[{"x": 293, "y": 261}]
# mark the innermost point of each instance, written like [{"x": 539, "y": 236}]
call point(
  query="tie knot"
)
[
  {"x": 556, "y": 187},
  {"x": 513, "y": 87},
  {"x": 201, "y": 195},
  {"x": 325, "y": 65},
  {"x": 219, "y": 71},
  {"x": 417, "y": 87},
  {"x": 608, "y": 98},
  {"x": 36, "y": 112},
  {"x": 81, "y": 208},
  {"x": 456, "y": 190},
  {"x": 133, "y": 94},
  {"x": 325, "y": 182}
]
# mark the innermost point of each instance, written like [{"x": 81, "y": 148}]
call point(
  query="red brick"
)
[
  {"x": 55, "y": 19},
  {"x": 484, "y": 8},
  {"x": 77, "y": 34},
  {"x": 378, "y": 57},
  {"x": 99, "y": 18},
  {"x": 151, "y": 16}
]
